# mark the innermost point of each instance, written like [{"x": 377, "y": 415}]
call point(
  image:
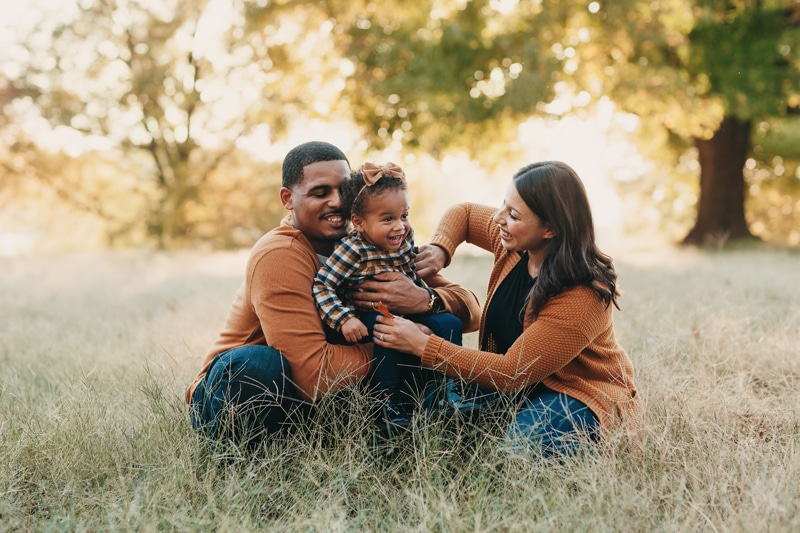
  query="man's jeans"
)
[{"x": 246, "y": 394}]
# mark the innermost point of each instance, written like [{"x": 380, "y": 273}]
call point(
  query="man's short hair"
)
[{"x": 306, "y": 154}]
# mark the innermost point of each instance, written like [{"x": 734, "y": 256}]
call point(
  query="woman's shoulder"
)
[{"x": 580, "y": 297}]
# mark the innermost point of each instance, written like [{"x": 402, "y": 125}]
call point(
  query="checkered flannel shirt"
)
[{"x": 352, "y": 262}]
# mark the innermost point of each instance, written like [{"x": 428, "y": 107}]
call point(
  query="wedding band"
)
[
  {"x": 374, "y": 307},
  {"x": 382, "y": 336}
]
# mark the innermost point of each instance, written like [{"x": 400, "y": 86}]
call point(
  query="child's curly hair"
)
[{"x": 355, "y": 192}]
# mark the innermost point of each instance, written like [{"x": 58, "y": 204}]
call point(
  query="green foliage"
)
[
  {"x": 685, "y": 64},
  {"x": 171, "y": 94},
  {"x": 439, "y": 76},
  {"x": 749, "y": 57},
  {"x": 773, "y": 175},
  {"x": 171, "y": 104}
]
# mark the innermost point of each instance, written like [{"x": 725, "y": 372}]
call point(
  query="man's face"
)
[{"x": 316, "y": 204}]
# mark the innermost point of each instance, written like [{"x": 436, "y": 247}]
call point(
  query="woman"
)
[{"x": 546, "y": 332}]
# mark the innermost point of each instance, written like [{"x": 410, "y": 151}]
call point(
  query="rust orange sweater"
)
[
  {"x": 570, "y": 347},
  {"x": 274, "y": 306}
]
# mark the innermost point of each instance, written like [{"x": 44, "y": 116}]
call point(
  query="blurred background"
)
[{"x": 162, "y": 123}]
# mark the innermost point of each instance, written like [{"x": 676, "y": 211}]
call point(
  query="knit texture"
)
[
  {"x": 274, "y": 306},
  {"x": 570, "y": 346}
]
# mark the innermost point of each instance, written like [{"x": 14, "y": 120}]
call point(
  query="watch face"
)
[{"x": 437, "y": 303}]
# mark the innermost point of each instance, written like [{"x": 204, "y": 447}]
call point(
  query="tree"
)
[
  {"x": 432, "y": 76},
  {"x": 703, "y": 69},
  {"x": 435, "y": 76},
  {"x": 171, "y": 87},
  {"x": 706, "y": 70}
]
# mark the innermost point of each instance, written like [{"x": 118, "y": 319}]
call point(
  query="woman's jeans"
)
[
  {"x": 246, "y": 394},
  {"x": 555, "y": 423}
]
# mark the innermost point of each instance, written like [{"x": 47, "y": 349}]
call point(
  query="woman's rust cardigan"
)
[{"x": 570, "y": 347}]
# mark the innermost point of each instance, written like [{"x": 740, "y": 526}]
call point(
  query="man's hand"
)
[
  {"x": 430, "y": 260},
  {"x": 354, "y": 330},
  {"x": 401, "y": 295}
]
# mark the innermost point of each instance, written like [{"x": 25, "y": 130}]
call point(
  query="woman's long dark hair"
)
[{"x": 555, "y": 193}]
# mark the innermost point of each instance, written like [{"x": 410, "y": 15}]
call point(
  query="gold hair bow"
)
[{"x": 372, "y": 172}]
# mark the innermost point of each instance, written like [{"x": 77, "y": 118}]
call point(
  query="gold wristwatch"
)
[{"x": 435, "y": 304}]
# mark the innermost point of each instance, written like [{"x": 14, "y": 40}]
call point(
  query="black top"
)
[{"x": 505, "y": 315}]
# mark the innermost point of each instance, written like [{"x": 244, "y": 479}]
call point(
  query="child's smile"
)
[{"x": 386, "y": 222}]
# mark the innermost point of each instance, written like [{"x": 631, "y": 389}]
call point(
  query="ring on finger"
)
[
  {"x": 383, "y": 335},
  {"x": 374, "y": 306}
]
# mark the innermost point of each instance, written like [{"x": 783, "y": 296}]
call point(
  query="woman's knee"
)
[{"x": 555, "y": 422}]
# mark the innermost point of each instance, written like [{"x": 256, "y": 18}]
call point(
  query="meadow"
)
[{"x": 97, "y": 348}]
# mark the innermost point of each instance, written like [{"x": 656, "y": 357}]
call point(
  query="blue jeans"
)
[
  {"x": 558, "y": 424},
  {"x": 246, "y": 394},
  {"x": 388, "y": 364}
]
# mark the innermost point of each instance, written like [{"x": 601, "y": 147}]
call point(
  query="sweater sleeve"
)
[
  {"x": 467, "y": 222},
  {"x": 280, "y": 290},
  {"x": 457, "y": 300},
  {"x": 564, "y": 328}
]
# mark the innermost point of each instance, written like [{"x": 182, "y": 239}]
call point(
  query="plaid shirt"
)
[{"x": 353, "y": 262}]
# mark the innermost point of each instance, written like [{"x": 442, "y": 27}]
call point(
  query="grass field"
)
[{"x": 96, "y": 350}]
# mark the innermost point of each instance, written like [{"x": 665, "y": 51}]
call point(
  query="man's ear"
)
[{"x": 286, "y": 198}]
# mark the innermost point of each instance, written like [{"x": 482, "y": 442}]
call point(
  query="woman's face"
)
[{"x": 520, "y": 228}]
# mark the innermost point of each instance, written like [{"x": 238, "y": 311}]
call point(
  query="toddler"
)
[{"x": 376, "y": 200}]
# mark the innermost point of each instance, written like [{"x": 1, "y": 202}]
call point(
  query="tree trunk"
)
[{"x": 720, "y": 209}]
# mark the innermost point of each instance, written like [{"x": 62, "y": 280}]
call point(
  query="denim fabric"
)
[
  {"x": 558, "y": 424},
  {"x": 387, "y": 362},
  {"x": 247, "y": 393}
]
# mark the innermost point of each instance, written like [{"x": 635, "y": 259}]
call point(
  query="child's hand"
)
[{"x": 354, "y": 330}]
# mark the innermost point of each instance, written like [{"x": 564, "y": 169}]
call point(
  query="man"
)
[{"x": 273, "y": 355}]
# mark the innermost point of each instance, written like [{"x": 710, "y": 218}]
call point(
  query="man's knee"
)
[
  {"x": 246, "y": 387},
  {"x": 251, "y": 365},
  {"x": 242, "y": 376}
]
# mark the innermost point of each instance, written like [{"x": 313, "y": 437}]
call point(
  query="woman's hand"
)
[
  {"x": 430, "y": 260},
  {"x": 399, "y": 334}
]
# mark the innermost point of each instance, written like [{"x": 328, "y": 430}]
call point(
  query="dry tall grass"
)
[{"x": 97, "y": 349}]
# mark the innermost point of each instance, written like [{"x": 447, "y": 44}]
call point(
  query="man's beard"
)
[{"x": 338, "y": 237}]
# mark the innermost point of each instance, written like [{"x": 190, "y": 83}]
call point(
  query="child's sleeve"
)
[{"x": 343, "y": 262}]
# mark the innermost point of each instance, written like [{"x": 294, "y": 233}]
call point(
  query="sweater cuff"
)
[
  {"x": 445, "y": 244},
  {"x": 431, "y": 352}
]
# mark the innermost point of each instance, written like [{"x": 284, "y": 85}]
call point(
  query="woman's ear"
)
[{"x": 549, "y": 232}]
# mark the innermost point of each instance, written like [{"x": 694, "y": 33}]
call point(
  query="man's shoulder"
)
[
  {"x": 281, "y": 237},
  {"x": 283, "y": 243}
]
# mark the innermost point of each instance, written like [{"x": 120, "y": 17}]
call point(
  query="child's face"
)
[{"x": 386, "y": 222}]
